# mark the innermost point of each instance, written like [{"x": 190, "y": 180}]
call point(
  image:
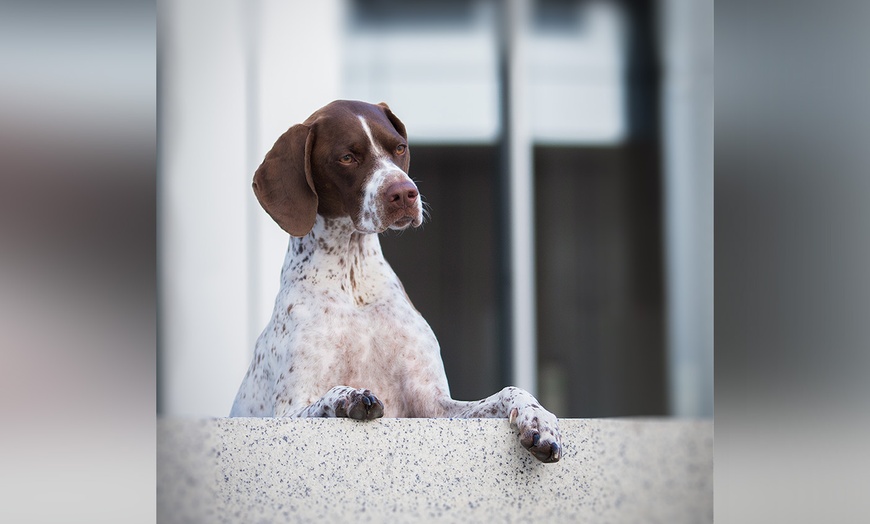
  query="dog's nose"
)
[{"x": 401, "y": 194}]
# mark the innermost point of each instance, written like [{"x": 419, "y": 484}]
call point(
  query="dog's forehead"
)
[{"x": 351, "y": 118}]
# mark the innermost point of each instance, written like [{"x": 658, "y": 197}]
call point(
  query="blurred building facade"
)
[{"x": 565, "y": 150}]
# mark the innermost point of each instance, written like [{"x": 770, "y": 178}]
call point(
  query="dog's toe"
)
[
  {"x": 364, "y": 405},
  {"x": 539, "y": 433},
  {"x": 549, "y": 451},
  {"x": 543, "y": 448}
]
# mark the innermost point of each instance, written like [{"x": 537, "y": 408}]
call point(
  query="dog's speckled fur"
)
[{"x": 344, "y": 339}]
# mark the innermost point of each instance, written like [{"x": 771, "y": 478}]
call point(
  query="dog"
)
[{"x": 344, "y": 339}]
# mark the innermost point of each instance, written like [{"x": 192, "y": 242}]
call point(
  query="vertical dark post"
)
[
  {"x": 644, "y": 188},
  {"x": 643, "y": 73}
]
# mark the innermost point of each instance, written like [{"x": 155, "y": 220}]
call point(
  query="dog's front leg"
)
[
  {"x": 342, "y": 401},
  {"x": 538, "y": 428}
]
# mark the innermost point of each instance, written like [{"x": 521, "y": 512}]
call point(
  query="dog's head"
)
[{"x": 348, "y": 159}]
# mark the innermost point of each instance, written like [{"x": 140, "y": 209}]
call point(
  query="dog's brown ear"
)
[
  {"x": 400, "y": 127},
  {"x": 283, "y": 183}
]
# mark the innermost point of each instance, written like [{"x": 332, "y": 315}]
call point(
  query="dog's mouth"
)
[
  {"x": 403, "y": 223},
  {"x": 399, "y": 223},
  {"x": 408, "y": 218}
]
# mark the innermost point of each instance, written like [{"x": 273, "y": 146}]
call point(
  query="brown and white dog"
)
[{"x": 344, "y": 339}]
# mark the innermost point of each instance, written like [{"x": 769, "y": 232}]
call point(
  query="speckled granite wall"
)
[{"x": 431, "y": 470}]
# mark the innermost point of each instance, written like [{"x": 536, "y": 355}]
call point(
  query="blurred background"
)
[
  {"x": 565, "y": 150},
  {"x": 78, "y": 246}
]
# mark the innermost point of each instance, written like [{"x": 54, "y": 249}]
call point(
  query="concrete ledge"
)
[{"x": 444, "y": 470}]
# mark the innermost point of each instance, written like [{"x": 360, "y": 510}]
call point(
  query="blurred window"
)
[
  {"x": 597, "y": 197},
  {"x": 438, "y": 60}
]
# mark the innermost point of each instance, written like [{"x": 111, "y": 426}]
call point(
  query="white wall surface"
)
[
  {"x": 431, "y": 470},
  {"x": 202, "y": 205}
]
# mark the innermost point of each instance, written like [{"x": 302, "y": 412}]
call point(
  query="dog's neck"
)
[{"x": 335, "y": 256}]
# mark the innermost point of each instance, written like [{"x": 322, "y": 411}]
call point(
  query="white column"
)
[
  {"x": 687, "y": 103},
  {"x": 521, "y": 183},
  {"x": 203, "y": 297}
]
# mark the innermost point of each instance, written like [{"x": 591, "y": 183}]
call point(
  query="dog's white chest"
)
[
  {"x": 343, "y": 330},
  {"x": 332, "y": 340}
]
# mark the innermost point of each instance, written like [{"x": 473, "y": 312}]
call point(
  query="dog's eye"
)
[
  {"x": 346, "y": 159},
  {"x": 400, "y": 149}
]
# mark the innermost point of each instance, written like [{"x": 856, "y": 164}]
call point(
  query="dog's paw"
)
[
  {"x": 360, "y": 404},
  {"x": 538, "y": 432}
]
